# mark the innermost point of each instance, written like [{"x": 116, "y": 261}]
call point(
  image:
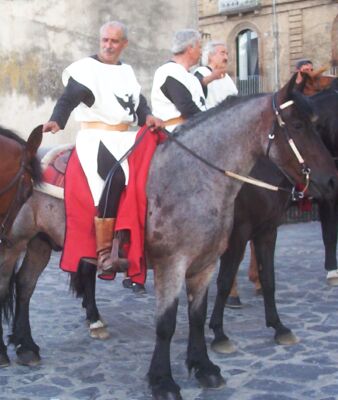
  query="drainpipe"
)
[{"x": 276, "y": 46}]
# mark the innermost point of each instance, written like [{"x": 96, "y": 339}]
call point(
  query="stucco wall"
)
[{"x": 39, "y": 38}]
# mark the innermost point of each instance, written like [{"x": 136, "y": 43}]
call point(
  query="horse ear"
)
[{"x": 34, "y": 140}]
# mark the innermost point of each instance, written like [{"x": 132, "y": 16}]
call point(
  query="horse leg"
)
[
  {"x": 4, "y": 359},
  {"x": 207, "y": 373},
  {"x": 168, "y": 284},
  {"x": 230, "y": 261},
  {"x": 233, "y": 300},
  {"x": 7, "y": 297},
  {"x": 253, "y": 270},
  {"x": 36, "y": 259},
  {"x": 97, "y": 327},
  {"x": 265, "y": 244},
  {"x": 328, "y": 214}
]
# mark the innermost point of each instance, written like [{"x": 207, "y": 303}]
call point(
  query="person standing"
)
[
  {"x": 217, "y": 84},
  {"x": 176, "y": 93},
  {"x": 106, "y": 97},
  {"x": 304, "y": 65}
]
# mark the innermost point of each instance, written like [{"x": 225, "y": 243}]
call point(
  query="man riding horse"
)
[{"x": 107, "y": 100}]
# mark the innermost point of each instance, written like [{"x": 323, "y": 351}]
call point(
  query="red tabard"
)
[{"x": 80, "y": 210}]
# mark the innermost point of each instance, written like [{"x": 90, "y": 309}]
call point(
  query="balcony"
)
[{"x": 229, "y": 7}]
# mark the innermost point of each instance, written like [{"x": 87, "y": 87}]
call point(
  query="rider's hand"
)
[
  {"x": 154, "y": 123},
  {"x": 51, "y": 126}
]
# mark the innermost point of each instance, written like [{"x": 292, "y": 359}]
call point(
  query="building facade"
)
[{"x": 265, "y": 38}]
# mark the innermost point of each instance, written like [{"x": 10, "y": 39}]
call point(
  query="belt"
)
[
  {"x": 104, "y": 126},
  {"x": 174, "y": 121}
]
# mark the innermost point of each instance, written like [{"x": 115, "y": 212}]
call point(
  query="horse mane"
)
[
  {"x": 36, "y": 171},
  {"x": 11, "y": 135},
  {"x": 226, "y": 104}
]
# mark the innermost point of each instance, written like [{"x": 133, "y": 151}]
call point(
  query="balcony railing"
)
[
  {"x": 252, "y": 85},
  {"x": 238, "y": 6}
]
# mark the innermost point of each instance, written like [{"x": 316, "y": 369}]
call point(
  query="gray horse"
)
[{"x": 191, "y": 209}]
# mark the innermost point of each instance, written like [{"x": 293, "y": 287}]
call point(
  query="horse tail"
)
[
  {"x": 7, "y": 305},
  {"x": 80, "y": 279},
  {"x": 76, "y": 284}
]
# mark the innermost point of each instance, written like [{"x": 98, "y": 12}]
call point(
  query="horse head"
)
[
  {"x": 314, "y": 81},
  {"x": 20, "y": 171},
  {"x": 308, "y": 160}
]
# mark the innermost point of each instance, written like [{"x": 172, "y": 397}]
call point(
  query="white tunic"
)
[
  {"x": 218, "y": 89},
  {"x": 163, "y": 107},
  {"x": 109, "y": 85}
]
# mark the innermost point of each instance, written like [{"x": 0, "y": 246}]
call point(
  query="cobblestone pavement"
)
[{"x": 74, "y": 366}]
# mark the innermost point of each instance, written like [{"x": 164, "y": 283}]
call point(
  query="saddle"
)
[{"x": 54, "y": 163}]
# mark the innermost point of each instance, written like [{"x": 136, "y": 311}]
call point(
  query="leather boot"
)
[{"x": 107, "y": 248}]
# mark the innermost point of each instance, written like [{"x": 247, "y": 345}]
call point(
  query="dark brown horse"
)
[
  {"x": 18, "y": 169},
  {"x": 261, "y": 227},
  {"x": 190, "y": 212}
]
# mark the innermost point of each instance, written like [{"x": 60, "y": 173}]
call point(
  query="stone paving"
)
[{"x": 74, "y": 366}]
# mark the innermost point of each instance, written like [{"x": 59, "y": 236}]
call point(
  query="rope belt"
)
[
  {"x": 174, "y": 121},
  {"x": 104, "y": 126}
]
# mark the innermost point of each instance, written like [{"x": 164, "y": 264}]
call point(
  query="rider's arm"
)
[
  {"x": 73, "y": 95},
  {"x": 178, "y": 94},
  {"x": 142, "y": 111}
]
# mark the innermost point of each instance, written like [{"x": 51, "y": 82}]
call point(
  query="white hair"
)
[
  {"x": 115, "y": 24},
  {"x": 183, "y": 39},
  {"x": 210, "y": 49}
]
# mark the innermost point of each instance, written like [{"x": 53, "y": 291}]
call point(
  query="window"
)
[{"x": 247, "y": 62}]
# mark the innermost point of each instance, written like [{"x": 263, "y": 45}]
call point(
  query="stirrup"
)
[{"x": 117, "y": 264}]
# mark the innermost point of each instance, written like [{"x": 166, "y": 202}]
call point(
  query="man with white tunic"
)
[
  {"x": 217, "y": 84},
  {"x": 176, "y": 93},
  {"x": 107, "y": 100}
]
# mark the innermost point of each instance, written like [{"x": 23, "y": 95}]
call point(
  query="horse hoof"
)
[
  {"x": 215, "y": 381},
  {"x": 97, "y": 330},
  {"x": 167, "y": 396},
  {"x": 4, "y": 361},
  {"x": 233, "y": 302},
  {"x": 286, "y": 339},
  {"x": 28, "y": 358},
  {"x": 168, "y": 391},
  {"x": 223, "y": 346},
  {"x": 332, "y": 278}
]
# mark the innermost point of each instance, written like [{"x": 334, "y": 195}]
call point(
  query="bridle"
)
[
  {"x": 306, "y": 171},
  {"x": 18, "y": 180}
]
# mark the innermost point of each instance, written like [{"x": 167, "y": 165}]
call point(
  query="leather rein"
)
[{"x": 296, "y": 195}]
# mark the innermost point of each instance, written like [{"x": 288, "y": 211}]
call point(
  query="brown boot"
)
[{"x": 107, "y": 249}]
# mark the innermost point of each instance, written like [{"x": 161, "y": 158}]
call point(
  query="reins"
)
[{"x": 248, "y": 179}]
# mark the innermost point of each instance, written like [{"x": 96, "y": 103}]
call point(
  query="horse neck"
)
[
  {"x": 244, "y": 137},
  {"x": 326, "y": 104}
]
